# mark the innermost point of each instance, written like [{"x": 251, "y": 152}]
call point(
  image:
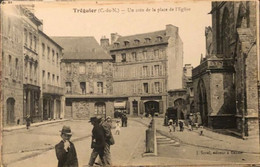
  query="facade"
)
[
  {"x": 12, "y": 66},
  {"x": 225, "y": 83},
  {"x": 87, "y": 76},
  {"x": 31, "y": 83},
  {"x": 146, "y": 66},
  {"x": 50, "y": 55}
]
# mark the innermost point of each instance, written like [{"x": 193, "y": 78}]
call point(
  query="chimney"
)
[
  {"x": 104, "y": 42},
  {"x": 114, "y": 37}
]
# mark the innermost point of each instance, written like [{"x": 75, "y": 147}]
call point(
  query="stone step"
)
[
  {"x": 160, "y": 137},
  {"x": 164, "y": 140},
  {"x": 176, "y": 144}
]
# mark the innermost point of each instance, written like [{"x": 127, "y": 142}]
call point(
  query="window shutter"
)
[
  {"x": 152, "y": 87},
  {"x": 160, "y": 89},
  {"x": 87, "y": 87},
  {"x": 104, "y": 87},
  {"x": 95, "y": 87},
  {"x": 128, "y": 107},
  {"x": 160, "y": 70}
]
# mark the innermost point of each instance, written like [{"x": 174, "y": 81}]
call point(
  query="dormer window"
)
[
  {"x": 147, "y": 40},
  {"x": 116, "y": 44},
  {"x": 127, "y": 43},
  {"x": 136, "y": 41},
  {"x": 159, "y": 39}
]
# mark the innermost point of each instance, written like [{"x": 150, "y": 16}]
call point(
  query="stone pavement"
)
[{"x": 210, "y": 139}]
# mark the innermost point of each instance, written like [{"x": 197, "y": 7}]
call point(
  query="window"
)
[
  {"x": 58, "y": 80},
  {"x": 114, "y": 58},
  {"x": 49, "y": 77},
  {"x": 156, "y": 54},
  {"x": 145, "y": 70},
  {"x": 10, "y": 64},
  {"x": 43, "y": 76},
  {"x": 43, "y": 50},
  {"x": 147, "y": 40},
  {"x": 159, "y": 39},
  {"x": 16, "y": 64},
  {"x": 127, "y": 43},
  {"x": 57, "y": 55},
  {"x": 68, "y": 67},
  {"x": 53, "y": 79},
  {"x": 134, "y": 56},
  {"x": 136, "y": 41},
  {"x": 30, "y": 35},
  {"x": 35, "y": 43},
  {"x": 123, "y": 57},
  {"x": 99, "y": 67},
  {"x": 48, "y": 54},
  {"x": 31, "y": 70},
  {"x": 157, "y": 87},
  {"x": 25, "y": 37},
  {"x": 53, "y": 56},
  {"x": 156, "y": 70},
  {"x": 68, "y": 87},
  {"x": 144, "y": 55},
  {"x": 145, "y": 86},
  {"x": 100, "y": 108},
  {"x": 116, "y": 44},
  {"x": 99, "y": 87},
  {"x": 82, "y": 68},
  {"x": 83, "y": 87}
]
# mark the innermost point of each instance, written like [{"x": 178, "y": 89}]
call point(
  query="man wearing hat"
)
[
  {"x": 65, "y": 150},
  {"x": 98, "y": 141}
]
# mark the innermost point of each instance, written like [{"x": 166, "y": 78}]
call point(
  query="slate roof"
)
[
  {"x": 153, "y": 36},
  {"x": 81, "y": 48}
]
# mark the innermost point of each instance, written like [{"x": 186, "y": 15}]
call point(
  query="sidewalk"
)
[
  {"x": 210, "y": 139},
  {"x": 11, "y": 128}
]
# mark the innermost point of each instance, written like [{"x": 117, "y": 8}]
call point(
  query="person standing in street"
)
[
  {"x": 28, "y": 121},
  {"x": 65, "y": 150},
  {"x": 109, "y": 139},
  {"x": 98, "y": 141},
  {"x": 117, "y": 128}
]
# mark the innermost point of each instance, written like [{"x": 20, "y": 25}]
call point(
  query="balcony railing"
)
[
  {"x": 216, "y": 64},
  {"x": 51, "y": 89}
]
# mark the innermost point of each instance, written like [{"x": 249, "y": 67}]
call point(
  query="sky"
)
[{"x": 128, "y": 18}]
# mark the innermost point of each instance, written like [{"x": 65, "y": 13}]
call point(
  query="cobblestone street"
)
[{"x": 38, "y": 142}]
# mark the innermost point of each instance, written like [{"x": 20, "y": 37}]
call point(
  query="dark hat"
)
[
  {"x": 66, "y": 130},
  {"x": 93, "y": 119}
]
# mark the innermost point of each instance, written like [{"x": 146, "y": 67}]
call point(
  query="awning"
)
[{"x": 120, "y": 105}]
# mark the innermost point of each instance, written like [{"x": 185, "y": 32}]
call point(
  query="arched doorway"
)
[
  {"x": 100, "y": 109},
  {"x": 181, "y": 106},
  {"x": 151, "y": 107},
  {"x": 10, "y": 111},
  {"x": 203, "y": 104}
]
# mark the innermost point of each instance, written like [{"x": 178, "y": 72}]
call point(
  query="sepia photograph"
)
[{"x": 129, "y": 83}]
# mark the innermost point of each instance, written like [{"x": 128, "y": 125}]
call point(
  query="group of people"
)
[
  {"x": 173, "y": 124},
  {"x": 193, "y": 120},
  {"x": 101, "y": 141}
]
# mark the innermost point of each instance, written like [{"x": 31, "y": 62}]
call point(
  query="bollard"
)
[{"x": 149, "y": 140}]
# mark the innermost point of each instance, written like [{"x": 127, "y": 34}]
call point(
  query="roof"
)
[
  {"x": 81, "y": 48},
  {"x": 153, "y": 36},
  {"x": 46, "y": 36}
]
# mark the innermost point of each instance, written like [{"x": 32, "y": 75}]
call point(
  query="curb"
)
[{"x": 9, "y": 129}]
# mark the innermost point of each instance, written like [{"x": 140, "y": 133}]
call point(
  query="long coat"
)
[
  {"x": 66, "y": 159},
  {"x": 98, "y": 137}
]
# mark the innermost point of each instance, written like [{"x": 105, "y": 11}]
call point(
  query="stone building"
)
[
  {"x": 31, "y": 84},
  {"x": 12, "y": 66},
  {"x": 50, "y": 55},
  {"x": 146, "y": 66},
  {"x": 87, "y": 76},
  {"x": 225, "y": 83}
]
